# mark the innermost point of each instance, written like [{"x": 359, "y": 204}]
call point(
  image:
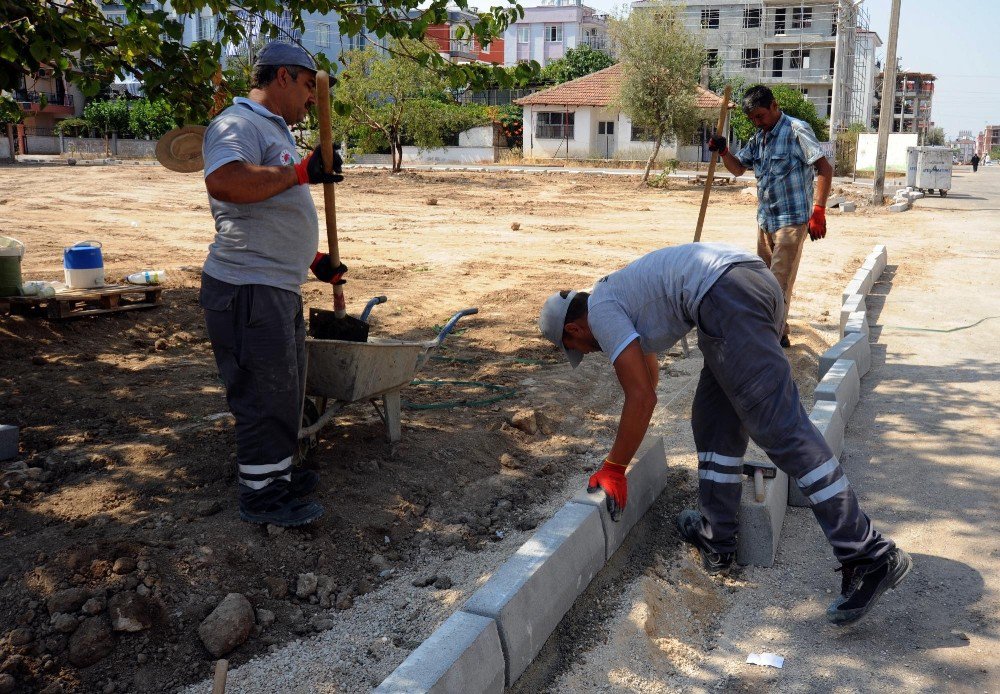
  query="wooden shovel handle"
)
[
  {"x": 723, "y": 113},
  {"x": 329, "y": 194},
  {"x": 221, "y": 673}
]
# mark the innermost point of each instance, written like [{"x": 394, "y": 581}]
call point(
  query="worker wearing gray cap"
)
[
  {"x": 266, "y": 237},
  {"x": 745, "y": 390}
]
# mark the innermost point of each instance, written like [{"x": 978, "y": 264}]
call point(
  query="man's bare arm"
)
[
  {"x": 242, "y": 183},
  {"x": 733, "y": 164},
  {"x": 632, "y": 369},
  {"x": 824, "y": 178}
]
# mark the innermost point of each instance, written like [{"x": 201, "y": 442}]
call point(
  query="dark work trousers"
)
[
  {"x": 746, "y": 391},
  {"x": 258, "y": 336}
]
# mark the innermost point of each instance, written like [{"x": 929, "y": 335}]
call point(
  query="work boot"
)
[
  {"x": 276, "y": 505},
  {"x": 689, "y": 524},
  {"x": 863, "y": 584},
  {"x": 785, "y": 342},
  {"x": 303, "y": 482}
]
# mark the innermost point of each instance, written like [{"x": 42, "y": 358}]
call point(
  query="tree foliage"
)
[
  {"x": 661, "y": 62},
  {"x": 934, "y": 137},
  {"x": 150, "y": 119},
  {"x": 792, "y": 102},
  {"x": 578, "y": 62},
  {"x": 107, "y": 116},
  {"x": 89, "y": 49}
]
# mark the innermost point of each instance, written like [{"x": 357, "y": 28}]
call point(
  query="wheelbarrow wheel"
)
[{"x": 310, "y": 415}]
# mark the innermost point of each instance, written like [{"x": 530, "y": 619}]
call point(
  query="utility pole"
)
[{"x": 888, "y": 106}]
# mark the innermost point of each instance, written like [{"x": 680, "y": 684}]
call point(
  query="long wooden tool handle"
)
[
  {"x": 723, "y": 112},
  {"x": 329, "y": 194},
  {"x": 219, "y": 681}
]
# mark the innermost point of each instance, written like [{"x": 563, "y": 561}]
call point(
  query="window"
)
[
  {"x": 709, "y": 19},
  {"x": 323, "y": 35},
  {"x": 799, "y": 60},
  {"x": 779, "y": 21},
  {"x": 206, "y": 28},
  {"x": 640, "y": 134},
  {"x": 523, "y": 34},
  {"x": 554, "y": 125},
  {"x": 712, "y": 57},
  {"x": 833, "y": 60},
  {"x": 751, "y": 58},
  {"x": 117, "y": 17},
  {"x": 751, "y": 18},
  {"x": 553, "y": 33},
  {"x": 829, "y": 102},
  {"x": 606, "y": 127},
  {"x": 778, "y": 64},
  {"x": 802, "y": 17}
]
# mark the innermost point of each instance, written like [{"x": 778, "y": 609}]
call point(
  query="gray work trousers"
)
[
  {"x": 258, "y": 336},
  {"x": 746, "y": 390}
]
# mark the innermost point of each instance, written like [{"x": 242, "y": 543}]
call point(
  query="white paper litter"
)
[{"x": 768, "y": 659}]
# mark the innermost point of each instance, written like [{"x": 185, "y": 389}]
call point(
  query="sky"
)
[{"x": 957, "y": 41}]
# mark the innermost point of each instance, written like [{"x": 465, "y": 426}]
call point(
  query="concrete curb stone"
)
[
  {"x": 647, "y": 477},
  {"x": 8, "y": 441},
  {"x": 529, "y": 594},
  {"x": 853, "y": 346},
  {"x": 855, "y": 302},
  {"x": 827, "y": 417},
  {"x": 462, "y": 655},
  {"x": 857, "y": 322},
  {"x": 842, "y": 385},
  {"x": 899, "y": 207},
  {"x": 760, "y": 522}
]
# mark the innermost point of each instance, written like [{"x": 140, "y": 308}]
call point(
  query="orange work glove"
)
[{"x": 611, "y": 478}]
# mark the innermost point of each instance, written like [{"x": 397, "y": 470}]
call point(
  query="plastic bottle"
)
[
  {"x": 38, "y": 288},
  {"x": 147, "y": 277}
]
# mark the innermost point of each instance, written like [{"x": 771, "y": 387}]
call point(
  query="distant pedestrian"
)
[
  {"x": 975, "y": 163},
  {"x": 784, "y": 153}
]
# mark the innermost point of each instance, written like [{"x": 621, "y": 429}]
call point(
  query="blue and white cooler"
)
[{"x": 84, "y": 265}]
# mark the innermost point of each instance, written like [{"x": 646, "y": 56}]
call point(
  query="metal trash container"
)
[
  {"x": 933, "y": 171},
  {"x": 911, "y": 166}
]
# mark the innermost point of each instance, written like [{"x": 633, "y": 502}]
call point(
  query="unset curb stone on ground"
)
[
  {"x": 760, "y": 521},
  {"x": 827, "y": 417},
  {"x": 463, "y": 655},
  {"x": 8, "y": 441},
  {"x": 842, "y": 385}
]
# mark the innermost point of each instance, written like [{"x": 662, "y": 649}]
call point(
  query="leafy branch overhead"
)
[{"x": 89, "y": 49}]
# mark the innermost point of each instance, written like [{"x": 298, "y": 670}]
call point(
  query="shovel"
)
[{"x": 335, "y": 324}]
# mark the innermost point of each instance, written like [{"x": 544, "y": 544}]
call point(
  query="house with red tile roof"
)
[{"x": 578, "y": 120}]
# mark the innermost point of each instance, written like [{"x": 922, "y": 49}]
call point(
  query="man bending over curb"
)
[{"x": 745, "y": 391}]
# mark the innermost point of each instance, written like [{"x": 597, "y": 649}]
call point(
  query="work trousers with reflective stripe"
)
[
  {"x": 258, "y": 336},
  {"x": 746, "y": 390}
]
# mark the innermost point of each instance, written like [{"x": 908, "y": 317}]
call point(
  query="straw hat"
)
[{"x": 180, "y": 149}]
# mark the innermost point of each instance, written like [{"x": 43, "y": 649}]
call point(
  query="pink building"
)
[{"x": 547, "y": 31}]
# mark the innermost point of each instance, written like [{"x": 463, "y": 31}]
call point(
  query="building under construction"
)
[
  {"x": 824, "y": 49},
  {"x": 912, "y": 103}
]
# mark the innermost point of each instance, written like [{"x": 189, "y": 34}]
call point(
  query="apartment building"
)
[
  {"x": 988, "y": 140},
  {"x": 964, "y": 146},
  {"x": 47, "y": 99},
  {"x": 464, "y": 49},
  {"x": 911, "y": 104},
  {"x": 547, "y": 31},
  {"x": 822, "y": 48}
]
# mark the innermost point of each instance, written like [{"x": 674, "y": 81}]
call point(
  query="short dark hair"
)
[
  {"x": 757, "y": 96},
  {"x": 263, "y": 75},
  {"x": 577, "y": 306}
]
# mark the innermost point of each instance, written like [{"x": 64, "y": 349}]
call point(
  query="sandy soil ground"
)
[{"x": 132, "y": 486}]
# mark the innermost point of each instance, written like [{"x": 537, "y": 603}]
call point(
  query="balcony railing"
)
[
  {"x": 462, "y": 47},
  {"x": 598, "y": 43},
  {"x": 33, "y": 97}
]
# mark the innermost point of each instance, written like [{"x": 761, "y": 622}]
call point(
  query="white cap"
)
[{"x": 552, "y": 321}]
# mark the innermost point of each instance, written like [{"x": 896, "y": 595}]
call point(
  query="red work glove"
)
[
  {"x": 817, "y": 223},
  {"x": 717, "y": 143},
  {"x": 611, "y": 478},
  {"x": 324, "y": 270},
  {"x": 310, "y": 169}
]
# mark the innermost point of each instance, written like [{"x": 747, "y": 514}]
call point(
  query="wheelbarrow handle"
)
[
  {"x": 372, "y": 303},
  {"x": 451, "y": 324}
]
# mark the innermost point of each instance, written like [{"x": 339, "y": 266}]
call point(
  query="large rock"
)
[
  {"x": 67, "y": 601},
  {"x": 228, "y": 626},
  {"x": 92, "y": 642},
  {"x": 131, "y": 612}
]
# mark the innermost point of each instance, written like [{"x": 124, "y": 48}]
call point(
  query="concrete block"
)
[
  {"x": 531, "y": 591},
  {"x": 8, "y": 441},
  {"x": 899, "y": 207},
  {"x": 760, "y": 522},
  {"x": 876, "y": 261},
  {"x": 853, "y": 303},
  {"x": 855, "y": 286},
  {"x": 462, "y": 655},
  {"x": 842, "y": 385},
  {"x": 857, "y": 322},
  {"x": 848, "y": 206},
  {"x": 916, "y": 195},
  {"x": 835, "y": 200},
  {"x": 827, "y": 417},
  {"x": 853, "y": 346},
  {"x": 646, "y": 477}
]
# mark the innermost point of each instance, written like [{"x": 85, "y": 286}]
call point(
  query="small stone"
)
[
  {"x": 161, "y": 344},
  {"x": 91, "y": 642},
  {"x": 21, "y": 636},
  {"x": 306, "y": 585},
  {"x": 322, "y": 624},
  {"x": 228, "y": 626},
  {"x": 325, "y": 585},
  {"x": 443, "y": 583},
  {"x": 131, "y": 612},
  {"x": 344, "y": 601},
  {"x": 39, "y": 360},
  {"x": 141, "y": 658},
  {"x": 510, "y": 462},
  {"x": 525, "y": 421},
  {"x": 514, "y": 226},
  {"x": 546, "y": 424},
  {"x": 265, "y": 618},
  {"x": 208, "y": 508},
  {"x": 431, "y": 201},
  {"x": 124, "y": 565},
  {"x": 69, "y": 600},
  {"x": 277, "y": 587},
  {"x": 64, "y": 623},
  {"x": 423, "y": 582}
]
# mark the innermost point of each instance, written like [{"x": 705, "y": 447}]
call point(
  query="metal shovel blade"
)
[{"x": 325, "y": 325}]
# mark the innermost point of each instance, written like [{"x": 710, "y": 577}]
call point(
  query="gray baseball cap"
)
[
  {"x": 552, "y": 322},
  {"x": 281, "y": 53}
]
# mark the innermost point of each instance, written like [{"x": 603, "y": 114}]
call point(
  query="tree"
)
[
  {"x": 792, "y": 102},
  {"x": 934, "y": 137},
  {"x": 107, "y": 116},
  {"x": 87, "y": 48},
  {"x": 995, "y": 154},
  {"x": 577, "y": 62},
  {"x": 661, "y": 62},
  {"x": 150, "y": 119},
  {"x": 397, "y": 100}
]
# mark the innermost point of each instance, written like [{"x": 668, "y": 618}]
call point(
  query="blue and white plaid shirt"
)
[{"x": 782, "y": 161}]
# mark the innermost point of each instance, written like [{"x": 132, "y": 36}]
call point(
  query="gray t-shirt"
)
[
  {"x": 656, "y": 297},
  {"x": 271, "y": 242}
]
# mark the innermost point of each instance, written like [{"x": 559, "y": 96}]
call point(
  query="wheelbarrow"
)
[{"x": 339, "y": 373}]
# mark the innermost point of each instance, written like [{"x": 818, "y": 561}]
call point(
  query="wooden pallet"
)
[
  {"x": 75, "y": 303},
  {"x": 699, "y": 179}
]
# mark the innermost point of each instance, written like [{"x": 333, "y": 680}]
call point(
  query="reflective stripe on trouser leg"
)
[
  {"x": 721, "y": 441},
  {"x": 744, "y": 309}
]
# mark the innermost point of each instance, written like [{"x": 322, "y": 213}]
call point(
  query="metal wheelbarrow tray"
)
[{"x": 347, "y": 372}]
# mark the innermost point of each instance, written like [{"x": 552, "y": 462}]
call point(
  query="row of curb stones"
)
[
  {"x": 492, "y": 639},
  {"x": 842, "y": 367}
]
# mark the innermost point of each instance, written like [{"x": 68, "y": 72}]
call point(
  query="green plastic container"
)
[{"x": 11, "y": 251}]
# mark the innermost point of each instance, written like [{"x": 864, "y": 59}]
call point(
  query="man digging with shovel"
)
[
  {"x": 267, "y": 235},
  {"x": 745, "y": 391}
]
